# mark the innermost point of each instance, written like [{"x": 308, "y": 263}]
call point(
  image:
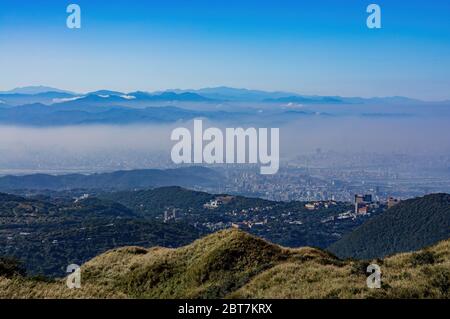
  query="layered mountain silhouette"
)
[
  {"x": 119, "y": 180},
  {"x": 36, "y": 94},
  {"x": 46, "y": 106}
]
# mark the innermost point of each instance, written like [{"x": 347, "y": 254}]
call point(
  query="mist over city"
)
[{"x": 368, "y": 145}]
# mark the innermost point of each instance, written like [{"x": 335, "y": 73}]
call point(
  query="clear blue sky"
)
[{"x": 310, "y": 47}]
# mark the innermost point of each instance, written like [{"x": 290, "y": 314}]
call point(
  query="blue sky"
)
[{"x": 310, "y": 47}]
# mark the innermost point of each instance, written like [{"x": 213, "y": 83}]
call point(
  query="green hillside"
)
[
  {"x": 46, "y": 236},
  {"x": 153, "y": 202},
  {"x": 408, "y": 226},
  {"x": 49, "y": 230},
  {"x": 234, "y": 264}
]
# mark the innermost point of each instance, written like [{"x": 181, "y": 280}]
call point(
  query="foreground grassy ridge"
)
[
  {"x": 234, "y": 264},
  {"x": 425, "y": 274}
]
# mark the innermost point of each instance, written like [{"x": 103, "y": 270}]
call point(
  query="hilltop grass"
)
[{"x": 234, "y": 264}]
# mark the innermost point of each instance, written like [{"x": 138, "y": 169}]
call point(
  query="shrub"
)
[
  {"x": 425, "y": 257},
  {"x": 10, "y": 267},
  {"x": 441, "y": 280},
  {"x": 359, "y": 267},
  {"x": 42, "y": 278}
]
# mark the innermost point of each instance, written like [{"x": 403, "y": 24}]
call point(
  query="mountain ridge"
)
[
  {"x": 36, "y": 89},
  {"x": 234, "y": 264},
  {"x": 119, "y": 180},
  {"x": 222, "y": 93}
]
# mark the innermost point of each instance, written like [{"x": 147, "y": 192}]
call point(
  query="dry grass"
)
[{"x": 234, "y": 264}]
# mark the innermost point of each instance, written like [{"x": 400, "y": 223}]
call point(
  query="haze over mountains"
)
[
  {"x": 74, "y": 132},
  {"x": 217, "y": 94},
  {"x": 46, "y": 106}
]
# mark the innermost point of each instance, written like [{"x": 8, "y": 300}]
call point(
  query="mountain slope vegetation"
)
[
  {"x": 234, "y": 264},
  {"x": 48, "y": 235},
  {"x": 48, "y": 230},
  {"x": 408, "y": 226}
]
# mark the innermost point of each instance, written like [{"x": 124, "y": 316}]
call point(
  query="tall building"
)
[
  {"x": 362, "y": 203},
  {"x": 170, "y": 214},
  {"x": 359, "y": 199}
]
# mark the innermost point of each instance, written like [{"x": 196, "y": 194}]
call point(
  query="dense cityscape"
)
[{"x": 322, "y": 175}]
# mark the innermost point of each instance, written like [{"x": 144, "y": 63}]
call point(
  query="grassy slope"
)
[{"x": 234, "y": 264}]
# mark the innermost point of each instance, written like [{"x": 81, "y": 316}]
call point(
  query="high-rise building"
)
[
  {"x": 362, "y": 202},
  {"x": 170, "y": 214},
  {"x": 359, "y": 199}
]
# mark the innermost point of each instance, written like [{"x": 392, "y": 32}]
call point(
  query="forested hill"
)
[
  {"x": 410, "y": 225},
  {"x": 120, "y": 180}
]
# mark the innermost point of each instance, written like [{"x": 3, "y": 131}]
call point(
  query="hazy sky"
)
[{"x": 310, "y": 47}]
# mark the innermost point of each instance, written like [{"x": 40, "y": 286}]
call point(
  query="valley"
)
[{"x": 47, "y": 231}]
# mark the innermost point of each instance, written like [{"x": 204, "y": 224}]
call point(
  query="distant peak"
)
[{"x": 35, "y": 90}]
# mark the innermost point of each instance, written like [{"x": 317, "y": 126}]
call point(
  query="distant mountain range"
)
[
  {"x": 408, "y": 226},
  {"x": 102, "y": 97},
  {"x": 46, "y": 106},
  {"x": 48, "y": 115},
  {"x": 49, "y": 95},
  {"x": 35, "y": 90},
  {"x": 245, "y": 95},
  {"x": 120, "y": 180},
  {"x": 224, "y": 93}
]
